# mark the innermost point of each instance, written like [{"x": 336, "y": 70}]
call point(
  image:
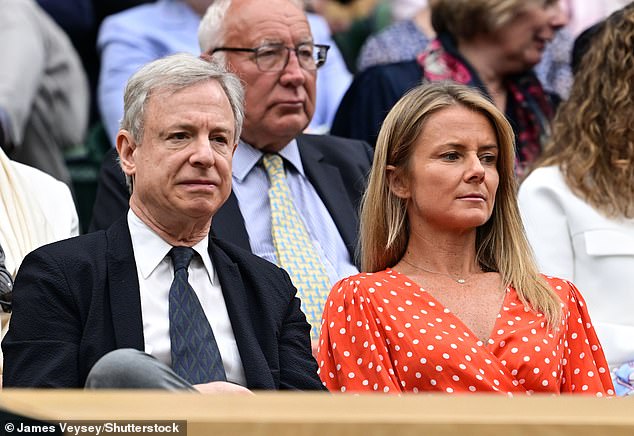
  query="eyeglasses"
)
[{"x": 274, "y": 57}]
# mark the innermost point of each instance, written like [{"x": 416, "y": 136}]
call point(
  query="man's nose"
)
[
  {"x": 293, "y": 73},
  {"x": 202, "y": 152}
]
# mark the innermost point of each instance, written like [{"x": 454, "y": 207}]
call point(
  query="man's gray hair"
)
[
  {"x": 211, "y": 31},
  {"x": 171, "y": 74}
]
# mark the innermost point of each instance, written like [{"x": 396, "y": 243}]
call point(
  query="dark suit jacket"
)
[
  {"x": 76, "y": 300},
  {"x": 336, "y": 167}
]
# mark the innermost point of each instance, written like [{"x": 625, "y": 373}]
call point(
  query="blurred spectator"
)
[
  {"x": 139, "y": 35},
  {"x": 578, "y": 205},
  {"x": 488, "y": 44},
  {"x": 43, "y": 89},
  {"x": 405, "y": 39},
  {"x": 80, "y": 20},
  {"x": 401, "y": 41},
  {"x": 35, "y": 209}
]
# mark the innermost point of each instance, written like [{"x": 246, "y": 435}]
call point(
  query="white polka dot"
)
[
  {"x": 351, "y": 375},
  {"x": 449, "y": 390},
  {"x": 438, "y": 368},
  {"x": 472, "y": 388},
  {"x": 418, "y": 375},
  {"x": 514, "y": 350}
]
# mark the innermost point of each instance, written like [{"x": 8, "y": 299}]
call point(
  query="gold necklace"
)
[{"x": 457, "y": 280}]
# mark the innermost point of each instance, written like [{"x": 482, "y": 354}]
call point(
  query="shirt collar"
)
[
  {"x": 150, "y": 249},
  {"x": 247, "y": 156}
]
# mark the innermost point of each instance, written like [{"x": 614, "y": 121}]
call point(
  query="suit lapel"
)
[
  {"x": 228, "y": 224},
  {"x": 256, "y": 368},
  {"x": 327, "y": 180},
  {"x": 123, "y": 284}
]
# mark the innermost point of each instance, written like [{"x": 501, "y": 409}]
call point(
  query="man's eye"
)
[
  {"x": 220, "y": 139},
  {"x": 305, "y": 52},
  {"x": 178, "y": 136},
  {"x": 265, "y": 52}
]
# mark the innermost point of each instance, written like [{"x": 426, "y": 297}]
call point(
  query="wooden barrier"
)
[{"x": 306, "y": 414}]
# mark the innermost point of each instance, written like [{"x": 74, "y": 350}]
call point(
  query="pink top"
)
[{"x": 383, "y": 332}]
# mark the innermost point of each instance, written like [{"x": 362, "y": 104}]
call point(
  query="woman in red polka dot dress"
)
[{"x": 453, "y": 301}]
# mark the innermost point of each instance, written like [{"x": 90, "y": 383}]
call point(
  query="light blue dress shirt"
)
[
  {"x": 141, "y": 34},
  {"x": 251, "y": 185}
]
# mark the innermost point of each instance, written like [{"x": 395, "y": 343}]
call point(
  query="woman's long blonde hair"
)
[
  {"x": 501, "y": 243},
  {"x": 593, "y": 131}
]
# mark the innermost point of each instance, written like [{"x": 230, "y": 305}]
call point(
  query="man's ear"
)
[
  {"x": 126, "y": 148},
  {"x": 235, "y": 147},
  {"x": 397, "y": 181}
]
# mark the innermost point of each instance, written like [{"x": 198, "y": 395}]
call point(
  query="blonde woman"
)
[
  {"x": 452, "y": 300},
  {"x": 578, "y": 205}
]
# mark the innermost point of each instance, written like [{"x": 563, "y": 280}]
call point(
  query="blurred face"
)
[
  {"x": 278, "y": 104},
  {"x": 182, "y": 167},
  {"x": 451, "y": 179},
  {"x": 523, "y": 39}
]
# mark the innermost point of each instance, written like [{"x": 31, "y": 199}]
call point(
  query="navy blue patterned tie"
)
[{"x": 195, "y": 354}]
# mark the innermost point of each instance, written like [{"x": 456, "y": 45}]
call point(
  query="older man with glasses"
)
[{"x": 295, "y": 196}]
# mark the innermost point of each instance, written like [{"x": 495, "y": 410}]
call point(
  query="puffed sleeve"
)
[
  {"x": 353, "y": 353},
  {"x": 585, "y": 369}
]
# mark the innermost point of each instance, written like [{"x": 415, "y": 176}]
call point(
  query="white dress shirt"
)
[{"x": 155, "y": 272}]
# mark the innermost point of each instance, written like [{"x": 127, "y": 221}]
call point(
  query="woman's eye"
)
[
  {"x": 489, "y": 158},
  {"x": 451, "y": 156}
]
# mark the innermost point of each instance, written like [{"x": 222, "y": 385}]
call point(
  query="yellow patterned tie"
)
[{"x": 293, "y": 247}]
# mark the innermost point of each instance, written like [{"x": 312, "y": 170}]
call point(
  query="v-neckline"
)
[{"x": 480, "y": 342}]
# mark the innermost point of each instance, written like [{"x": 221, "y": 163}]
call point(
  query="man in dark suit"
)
[
  {"x": 270, "y": 47},
  {"x": 228, "y": 321}
]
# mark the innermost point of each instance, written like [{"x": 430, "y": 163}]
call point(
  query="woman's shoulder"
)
[
  {"x": 368, "y": 282},
  {"x": 543, "y": 176},
  {"x": 566, "y": 290}
]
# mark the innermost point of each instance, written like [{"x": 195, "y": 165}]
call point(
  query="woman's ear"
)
[
  {"x": 397, "y": 181},
  {"x": 125, "y": 148}
]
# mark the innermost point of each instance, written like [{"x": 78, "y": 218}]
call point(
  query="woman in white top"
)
[{"x": 578, "y": 205}]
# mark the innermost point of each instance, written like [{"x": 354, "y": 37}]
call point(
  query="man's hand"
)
[{"x": 220, "y": 387}]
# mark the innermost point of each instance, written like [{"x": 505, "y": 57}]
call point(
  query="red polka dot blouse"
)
[{"x": 382, "y": 332}]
